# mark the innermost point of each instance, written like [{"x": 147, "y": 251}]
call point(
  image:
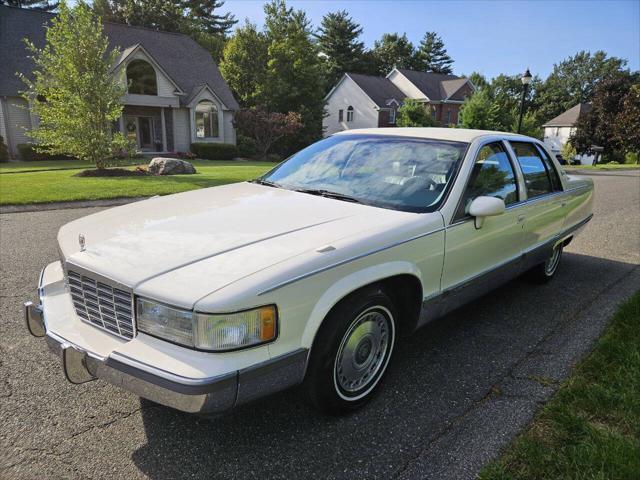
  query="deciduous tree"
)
[
  {"x": 393, "y": 50},
  {"x": 413, "y": 113},
  {"x": 266, "y": 128},
  {"x": 73, "y": 92},
  {"x": 627, "y": 126},
  {"x": 599, "y": 126},
  {"x": 574, "y": 80},
  {"x": 244, "y": 64}
]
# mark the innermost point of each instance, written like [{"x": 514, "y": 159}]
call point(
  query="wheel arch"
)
[{"x": 402, "y": 281}]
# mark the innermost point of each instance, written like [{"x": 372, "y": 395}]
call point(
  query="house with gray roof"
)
[
  {"x": 366, "y": 101},
  {"x": 558, "y": 130},
  {"x": 176, "y": 95}
]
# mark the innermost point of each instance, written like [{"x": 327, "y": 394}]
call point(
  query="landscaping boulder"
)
[{"x": 170, "y": 166}]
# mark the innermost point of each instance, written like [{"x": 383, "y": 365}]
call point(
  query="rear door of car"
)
[{"x": 545, "y": 201}]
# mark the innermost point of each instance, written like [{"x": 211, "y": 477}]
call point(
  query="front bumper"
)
[{"x": 205, "y": 395}]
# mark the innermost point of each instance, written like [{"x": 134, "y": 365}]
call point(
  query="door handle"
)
[{"x": 521, "y": 218}]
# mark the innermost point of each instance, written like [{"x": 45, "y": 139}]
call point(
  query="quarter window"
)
[
  {"x": 534, "y": 170},
  {"x": 551, "y": 168},
  {"x": 349, "y": 113},
  {"x": 206, "y": 120},
  {"x": 492, "y": 176}
]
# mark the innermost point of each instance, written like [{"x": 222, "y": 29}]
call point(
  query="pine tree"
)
[
  {"x": 339, "y": 45},
  {"x": 183, "y": 16},
  {"x": 45, "y": 5},
  {"x": 432, "y": 56}
]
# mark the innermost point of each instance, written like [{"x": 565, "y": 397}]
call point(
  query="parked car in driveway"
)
[{"x": 212, "y": 298}]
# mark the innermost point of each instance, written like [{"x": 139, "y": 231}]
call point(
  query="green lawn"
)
[
  {"x": 19, "y": 167},
  {"x": 54, "y": 181},
  {"x": 604, "y": 166},
  {"x": 591, "y": 427}
]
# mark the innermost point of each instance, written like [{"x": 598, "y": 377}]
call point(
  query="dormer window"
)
[{"x": 141, "y": 77}]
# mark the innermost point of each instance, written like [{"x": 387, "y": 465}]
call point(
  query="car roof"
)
[{"x": 451, "y": 134}]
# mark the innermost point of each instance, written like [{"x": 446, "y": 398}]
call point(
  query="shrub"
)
[
  {"x": 247, "y": 146},
  {"x": 214, "y": 151},
  {"x": 28, "y": 153},
  {"x": 4, "y": 152}
]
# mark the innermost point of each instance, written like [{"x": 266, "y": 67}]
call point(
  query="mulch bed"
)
[{"x": 112, "y": 172}]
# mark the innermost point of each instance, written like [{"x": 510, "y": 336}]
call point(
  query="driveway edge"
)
[{"x": 40, "y": 207}]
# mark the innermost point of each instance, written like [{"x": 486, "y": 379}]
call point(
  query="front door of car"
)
[
  {"x": 546, "y": 205},
  {"x": 478, "y": 259}
]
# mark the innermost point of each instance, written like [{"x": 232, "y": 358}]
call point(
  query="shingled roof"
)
[
  {"x": 570, "y": 117},
  {"x": 188, "y": 64},
  {"x": 380, "y": 89}
]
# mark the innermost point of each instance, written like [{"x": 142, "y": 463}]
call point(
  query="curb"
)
[{"x": 40, "y": 207}]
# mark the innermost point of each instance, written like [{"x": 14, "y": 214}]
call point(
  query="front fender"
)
[{"x": 349, "y": 284}]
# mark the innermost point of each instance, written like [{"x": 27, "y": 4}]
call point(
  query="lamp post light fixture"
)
[{"x": 526, "y": 80}]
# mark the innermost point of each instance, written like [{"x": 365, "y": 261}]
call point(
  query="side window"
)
[
  {"x": 551, "y": 168},
  {"x": 492, "y": 176},
  {"x": 340, "y": 115},
  {"x": 536, "y": 176}
]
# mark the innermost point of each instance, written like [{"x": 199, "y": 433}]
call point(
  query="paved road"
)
[{"x": 456, "y": 393}]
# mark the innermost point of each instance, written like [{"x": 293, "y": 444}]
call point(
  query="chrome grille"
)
[{"x": 101, "y": 304}]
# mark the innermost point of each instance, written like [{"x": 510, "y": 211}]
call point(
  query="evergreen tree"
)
[
  {"x": 45, "y": 5},
  {"x": 74, "y": 92},
  {"x": 393, "y": 50},
  {"x": 196, "y": 18},
  {"x": 339, "y": 45},
  {"x": 431, "y": 55}
]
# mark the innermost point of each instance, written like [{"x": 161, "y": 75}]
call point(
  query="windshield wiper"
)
[
  {"x": 326, "y": 193},
  {"x": 260, "y": 181}
]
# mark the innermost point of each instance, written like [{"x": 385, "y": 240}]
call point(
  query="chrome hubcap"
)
[
  {"x": 364, "y": 351},
  {"x": 553, "y": 261}
]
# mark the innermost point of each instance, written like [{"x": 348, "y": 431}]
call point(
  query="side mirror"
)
[{"x": 482, "y": 207}]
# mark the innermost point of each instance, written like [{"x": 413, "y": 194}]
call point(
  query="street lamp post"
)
[{"x": 526, "y": 80}]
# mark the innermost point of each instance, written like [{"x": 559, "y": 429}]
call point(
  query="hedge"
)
[
  {"x": 28, "y": 154},
  {"x": 214, "y": 151}
]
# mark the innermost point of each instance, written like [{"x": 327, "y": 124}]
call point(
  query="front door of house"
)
[{"x": 140, "y": 131}]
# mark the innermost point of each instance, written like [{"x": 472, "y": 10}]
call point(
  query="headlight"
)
[{"x": 204, "y": 331}]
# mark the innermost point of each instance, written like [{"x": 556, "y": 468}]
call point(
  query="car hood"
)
[{"x": 181, "y": 247}]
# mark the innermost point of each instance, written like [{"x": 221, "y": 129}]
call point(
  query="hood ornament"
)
[{"x": 82, "y": 242}]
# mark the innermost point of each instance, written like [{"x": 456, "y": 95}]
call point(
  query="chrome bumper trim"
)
[{"x": 204, "y": 396}]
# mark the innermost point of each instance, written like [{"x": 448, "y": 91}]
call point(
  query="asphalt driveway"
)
[{"x": 456, "y": 393}]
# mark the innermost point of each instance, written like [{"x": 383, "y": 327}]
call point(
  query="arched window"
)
[
  {"x": 206, "y": 120},
  {"x": 349, "y": 113},
  {"x": 142, "y": 78}
]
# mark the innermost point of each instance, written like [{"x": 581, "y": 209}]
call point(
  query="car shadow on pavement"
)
[{"x": 437, "y": 375}]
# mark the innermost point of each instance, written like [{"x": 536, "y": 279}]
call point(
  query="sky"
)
[{"x": 490, "y": 37}]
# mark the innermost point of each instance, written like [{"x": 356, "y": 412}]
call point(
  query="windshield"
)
[{"x": 401, "y": 173}]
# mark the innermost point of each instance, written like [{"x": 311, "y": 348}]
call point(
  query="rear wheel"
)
[
  {"x": 351, "y": 352},
  {"x": 547, "y": 270}
]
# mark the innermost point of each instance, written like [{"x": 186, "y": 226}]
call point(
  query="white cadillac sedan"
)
[{"x": 212, "y": 298}]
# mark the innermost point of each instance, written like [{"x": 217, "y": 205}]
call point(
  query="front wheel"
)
[{"x": 351, "y": 352}]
